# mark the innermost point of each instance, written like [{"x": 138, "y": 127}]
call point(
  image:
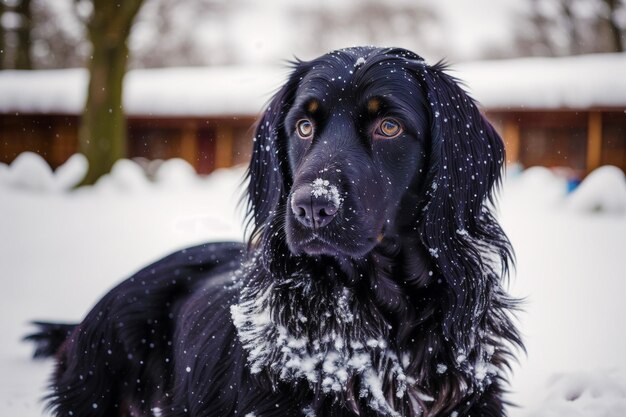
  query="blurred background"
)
[
  {"x": 226, "y": 57},
  {"x": 125, "y": 128}
]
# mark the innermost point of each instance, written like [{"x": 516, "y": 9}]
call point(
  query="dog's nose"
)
[{"x": 313, "y": 210}]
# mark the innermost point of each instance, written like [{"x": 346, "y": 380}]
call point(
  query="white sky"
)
[
  {"x": 462, "y": 29},
  {"x": 469, "y": 26},
  {"x": 269, "y": 31}
]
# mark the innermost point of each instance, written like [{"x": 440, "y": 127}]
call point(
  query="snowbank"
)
[
  {"x": 175, "y": 173},
  {"x": 30, "y": 172},
  {"x": 528, "y": 83},
  {"x": 536, "y": 188},
  {"x": 583, "y": 394},
  {"x": 604, "y": 190}
]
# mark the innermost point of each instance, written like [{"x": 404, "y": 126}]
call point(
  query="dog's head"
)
[
  {"x": 348, "y": 135},
  {"x": 356, "y": 135},
  {"x": 365, "y": 142}
]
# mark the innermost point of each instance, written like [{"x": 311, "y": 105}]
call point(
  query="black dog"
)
[{"x": 371, "y": 284}]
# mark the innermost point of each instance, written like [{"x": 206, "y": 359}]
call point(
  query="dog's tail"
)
[{"x": 49, "y": 337}]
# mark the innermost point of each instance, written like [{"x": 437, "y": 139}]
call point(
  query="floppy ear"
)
[
  {"x": 463, "y": 238},
  {"x": 268, "y": 174}
]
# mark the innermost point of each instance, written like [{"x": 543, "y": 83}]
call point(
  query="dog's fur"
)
[{"x": 393, "y": 308}]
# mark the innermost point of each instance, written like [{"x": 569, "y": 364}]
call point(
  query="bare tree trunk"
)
[
  {"x": 616, "y": 31},
  {"x": 102, "y": 133},
  {"x": 22, "y": 54},
  {"x": 103, "y": 125}
]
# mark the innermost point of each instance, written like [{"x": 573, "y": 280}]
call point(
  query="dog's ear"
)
[
  {"x": 457, "y": 226},
  {"x": 268, "y": 176}
]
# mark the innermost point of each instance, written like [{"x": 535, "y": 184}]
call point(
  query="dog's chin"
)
[
  {"x": 315, "y": 245},
  {"x": 329, "y": 241}
]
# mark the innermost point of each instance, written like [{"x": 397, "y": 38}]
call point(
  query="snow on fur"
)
[
  {"x": 327, "y": 359},
  {"x": 323, "y": 188}
]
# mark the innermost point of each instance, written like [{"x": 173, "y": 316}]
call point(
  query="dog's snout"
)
[{"x": 312, "y": 209}]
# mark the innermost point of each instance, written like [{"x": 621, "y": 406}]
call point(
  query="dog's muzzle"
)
[{"x": 316, "y": 204}]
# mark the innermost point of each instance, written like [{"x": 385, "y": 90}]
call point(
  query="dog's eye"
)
[
  {"x": 304, "y": 128},
  {"x": 388, "y": 128}
]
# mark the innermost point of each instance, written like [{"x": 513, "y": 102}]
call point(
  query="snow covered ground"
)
[{"x": 61, "y": 250}]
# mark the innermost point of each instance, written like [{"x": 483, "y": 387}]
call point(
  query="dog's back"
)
[{"x": 122, "y": 351}]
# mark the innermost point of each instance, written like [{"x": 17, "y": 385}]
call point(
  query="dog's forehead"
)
[
  {"x": 357, "y": 73},
  {"x": 329, "y": 71}
]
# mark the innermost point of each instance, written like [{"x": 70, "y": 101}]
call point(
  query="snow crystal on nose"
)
[{"x": 321, "y": 187}]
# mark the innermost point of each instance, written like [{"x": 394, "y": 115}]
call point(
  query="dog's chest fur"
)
[{"x": 307, "y": 329}]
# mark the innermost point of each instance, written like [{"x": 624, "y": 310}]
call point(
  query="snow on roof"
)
[
  {"x": 576, "y": 82},
  {"x": 216, "y": 91},
  {"x": 528, "y": 83}
]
